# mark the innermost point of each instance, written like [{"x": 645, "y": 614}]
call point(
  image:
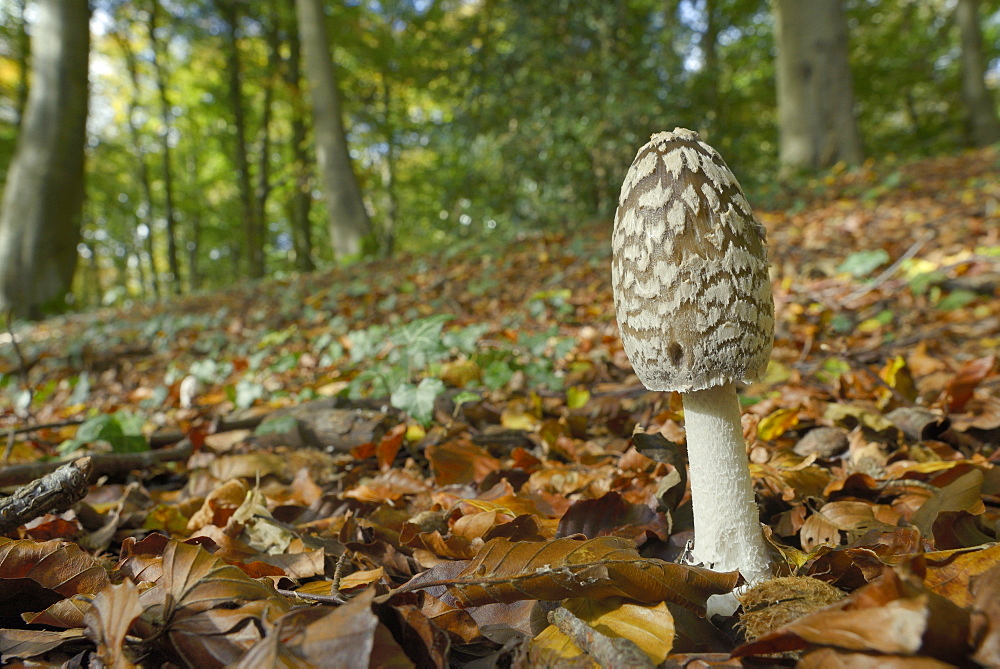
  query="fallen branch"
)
[
  {"x": 41, "y": 426},
  {"x": 56, "y": 491},
  {"x": 890, "y": 270},
  {"x": 103, "y": 463}
]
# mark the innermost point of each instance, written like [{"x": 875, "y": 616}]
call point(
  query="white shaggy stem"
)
[{"x": 727, "y": 533}]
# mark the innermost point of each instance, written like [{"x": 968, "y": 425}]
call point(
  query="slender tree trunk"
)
[
  {"x": 273, "y": 38},
  {"x": 815, "y": 89},
  {"x": 194, "y": 195},
  {"x": 300, "y": 203},
  {"x": 710, "y": 74},
  {"x": 168, "y": 174},
  {"x": 350, "y": 227},
  {"x": 146, "y": 218},
  {"x": 23, "y": 54},
  {"x": 43, "y": 198},
  {"x": 389, "y": 172},
  {"x": 983, "y": 125},
  {"x": 253, "y": 237}
]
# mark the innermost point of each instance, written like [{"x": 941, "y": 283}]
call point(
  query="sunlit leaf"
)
[{"x": 506, "y": 571}]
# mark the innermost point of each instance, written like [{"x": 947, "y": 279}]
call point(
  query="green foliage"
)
[
  {"x": 418, "y": 401},
  {"x": 862, "y": 263},
  {"x": 956, "y": 300},
  {"x": 392, "y": 358},
  {"x": 122, "y": 430},
  {"x": 279, "y": 425},
  {"x": 468, "y": 123}
]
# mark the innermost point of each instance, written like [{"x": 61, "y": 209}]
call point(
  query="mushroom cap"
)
[{"x": 689, "y": 269}]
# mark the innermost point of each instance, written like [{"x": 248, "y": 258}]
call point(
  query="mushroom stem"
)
[{"x": 726, "y": 520}]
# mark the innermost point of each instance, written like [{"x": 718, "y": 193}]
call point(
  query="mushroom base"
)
[{"x": 727, "y": 533}]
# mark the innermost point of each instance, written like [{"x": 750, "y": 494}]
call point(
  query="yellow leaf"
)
[
  {"x": 577, "y": 397},
  {"x": 651, "y": 628},
  {"x": 870, "y": 325},
  {"x": 777, "y": 423},
  {"x": 551, "y": 646},
  {"x": 361, "y": 578},
  {"x": 518, "y": 421},
  {"x": 897, "y": 376},
  {"x": 459, "y": 373},
  {"x": 164, "y": 517},
  {"x": 415, "y": 432}
]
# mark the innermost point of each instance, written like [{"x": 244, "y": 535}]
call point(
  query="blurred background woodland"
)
[{"x": 216, "y": 143}]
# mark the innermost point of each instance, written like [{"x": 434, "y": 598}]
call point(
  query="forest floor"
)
[{"x": 430, "y": 461}]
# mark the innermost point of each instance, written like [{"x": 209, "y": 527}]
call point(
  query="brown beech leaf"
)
[
  {"x": 220, "y": 637},
  {"x": 612, "y": 514},
  {"x": 109, "y": 619},
  {"x": 986, "y": 589},
  {"x": 823, "y": 658},
  {"x": 347, "y": 636},
  {"x": 968, "y": 377},
  {"x": 25, "y": 644},
  {"x": 67, "y": 612},
  {"x": 506, "y": 571},
  {"x": 460, "y": 461},
  {"x": 963, "y": 494},
  {"x": 950, "y": 572},
  {"x": 56, "y": 565},
  {"x": 889, "y": 616},
  {"x": 194, "y": 580}
]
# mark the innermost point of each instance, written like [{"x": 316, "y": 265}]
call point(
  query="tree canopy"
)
[{"x": 463, "y": 119}]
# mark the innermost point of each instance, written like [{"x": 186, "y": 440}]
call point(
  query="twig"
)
[
  {"x": 23, "y": 365},
  {"x": 324, "y": 599},
  {"x": 607, "y": 650},
  {"x": 23, "y": 370},
  {"x": 55, "y": 491},
  {"x": 890, "y": 270},
  {"x": 41, "y": 426},
  {"x": 8, "y": 449},
  {"x": 103, "y": 463}
]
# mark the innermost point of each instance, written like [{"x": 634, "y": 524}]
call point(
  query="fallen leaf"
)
[
  {"x": 108, "y": 621},
  {"x": 506, "y": 571}
]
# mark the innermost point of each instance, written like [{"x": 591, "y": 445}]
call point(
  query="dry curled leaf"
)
[
  {"x": 56, "y": 565},
  {"x": 506, "y": 571},
  {"x": 109, "y": 619}
]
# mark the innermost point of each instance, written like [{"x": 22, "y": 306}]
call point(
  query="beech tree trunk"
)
[
  {"x": 144, "y": 213},
  {"x": 300, "y": 203},
  {"x": 350, "y": 227},
  {"x": 815, "y": 90},
  {"x": 43, "y": 197},
  {"x": 983, "y": 126},
  {"x": 168, "y": 173},
  {"x": 253, "y": 231}
]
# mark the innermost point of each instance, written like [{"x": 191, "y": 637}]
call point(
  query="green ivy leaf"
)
[
  {"x": 863, "y": 263},
  {"x": 418, "y": 401}
]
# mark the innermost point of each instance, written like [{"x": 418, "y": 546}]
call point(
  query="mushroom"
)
[{"x": 693, "y": 299}]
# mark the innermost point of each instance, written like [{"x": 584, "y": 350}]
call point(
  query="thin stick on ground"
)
[
  {"x": 890, "y": 270},
  {"x": 56, "y": 491},
  {"x": 103, "y": 463}
]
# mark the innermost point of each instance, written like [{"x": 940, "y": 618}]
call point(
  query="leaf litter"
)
[{"x": 436, "y": 463}]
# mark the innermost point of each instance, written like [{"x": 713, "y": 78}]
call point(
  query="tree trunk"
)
[
  {"x": 253, "y": 233},
  {"x": 300, "y": 203},
  {"x": 131, "y": 64},
  {"x": 168, "y": 174},
  {"x": 815, "y": 90},
  {"x": 389, "y": 172},
  {"x": 350, "y": 227},
  {"x": 983, "y": 126},
  {"x": 272, "y": 36},
  {"x": 23, "y": 53},
  {"x": 43, "y": 196}
]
